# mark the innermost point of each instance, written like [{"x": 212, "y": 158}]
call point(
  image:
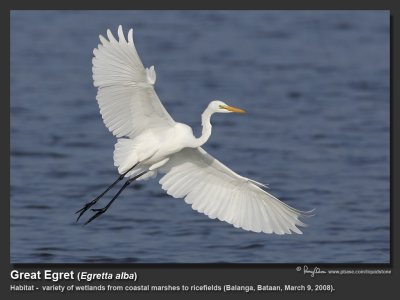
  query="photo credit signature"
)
[{"x": 312, "y": 272}]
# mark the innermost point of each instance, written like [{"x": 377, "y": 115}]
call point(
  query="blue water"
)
[{"x": 315, "y": 84}]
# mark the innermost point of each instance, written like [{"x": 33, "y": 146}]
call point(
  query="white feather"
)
[
  {"x": 127, "y": 100},
  {"x": 219, "y": 192}
]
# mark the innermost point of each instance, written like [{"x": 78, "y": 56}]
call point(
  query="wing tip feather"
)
[
  {"x": 130, "y": 36},
  {"x": 121, "y": 36},
  {"x": 110, "y": 36}
]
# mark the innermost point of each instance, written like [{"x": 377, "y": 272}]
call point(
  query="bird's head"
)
[{"x": 221, "y": 107}]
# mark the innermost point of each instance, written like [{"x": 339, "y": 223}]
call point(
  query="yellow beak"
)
[{"x": 233, "y": 109}]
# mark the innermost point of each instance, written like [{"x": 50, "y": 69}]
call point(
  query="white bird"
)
[{"x": 150, "y": 141}]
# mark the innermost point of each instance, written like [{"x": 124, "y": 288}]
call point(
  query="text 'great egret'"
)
[{"x": 150, "y": 141}]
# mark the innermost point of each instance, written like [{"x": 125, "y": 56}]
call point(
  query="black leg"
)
[
  {"x": 100, "y": 211},
  {"x": 94, "y": 201}
]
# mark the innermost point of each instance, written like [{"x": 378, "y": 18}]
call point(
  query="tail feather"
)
[{"x": 125, "y": 157}]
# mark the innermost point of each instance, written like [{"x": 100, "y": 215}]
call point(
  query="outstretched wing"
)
[
  {"x": 215, "y": 190},
  {"x": 126, "y": 96}
]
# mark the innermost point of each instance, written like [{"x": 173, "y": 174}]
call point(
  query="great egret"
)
[{"x": 150, "y": 141}]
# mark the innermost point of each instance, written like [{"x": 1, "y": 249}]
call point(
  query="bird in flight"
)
[{"x": 149, "y": 141}]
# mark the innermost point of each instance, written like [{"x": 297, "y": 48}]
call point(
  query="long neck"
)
[{"x": 206, "y": 132}]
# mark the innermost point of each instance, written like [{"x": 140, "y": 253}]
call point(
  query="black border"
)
[{"x": 360, "y": 285}]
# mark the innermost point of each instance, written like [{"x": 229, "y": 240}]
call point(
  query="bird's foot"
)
[
  {"x": 84, "y": 209},
  {"x": 99, "y": 211}
]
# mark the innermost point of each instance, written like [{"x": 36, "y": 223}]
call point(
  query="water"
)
[{"x": 315, "y": 84}]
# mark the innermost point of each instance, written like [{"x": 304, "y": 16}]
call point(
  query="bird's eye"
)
[{"x": 222, "y": 107}]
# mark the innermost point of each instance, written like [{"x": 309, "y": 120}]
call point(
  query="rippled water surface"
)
[{"x": 315, "y": 84}]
